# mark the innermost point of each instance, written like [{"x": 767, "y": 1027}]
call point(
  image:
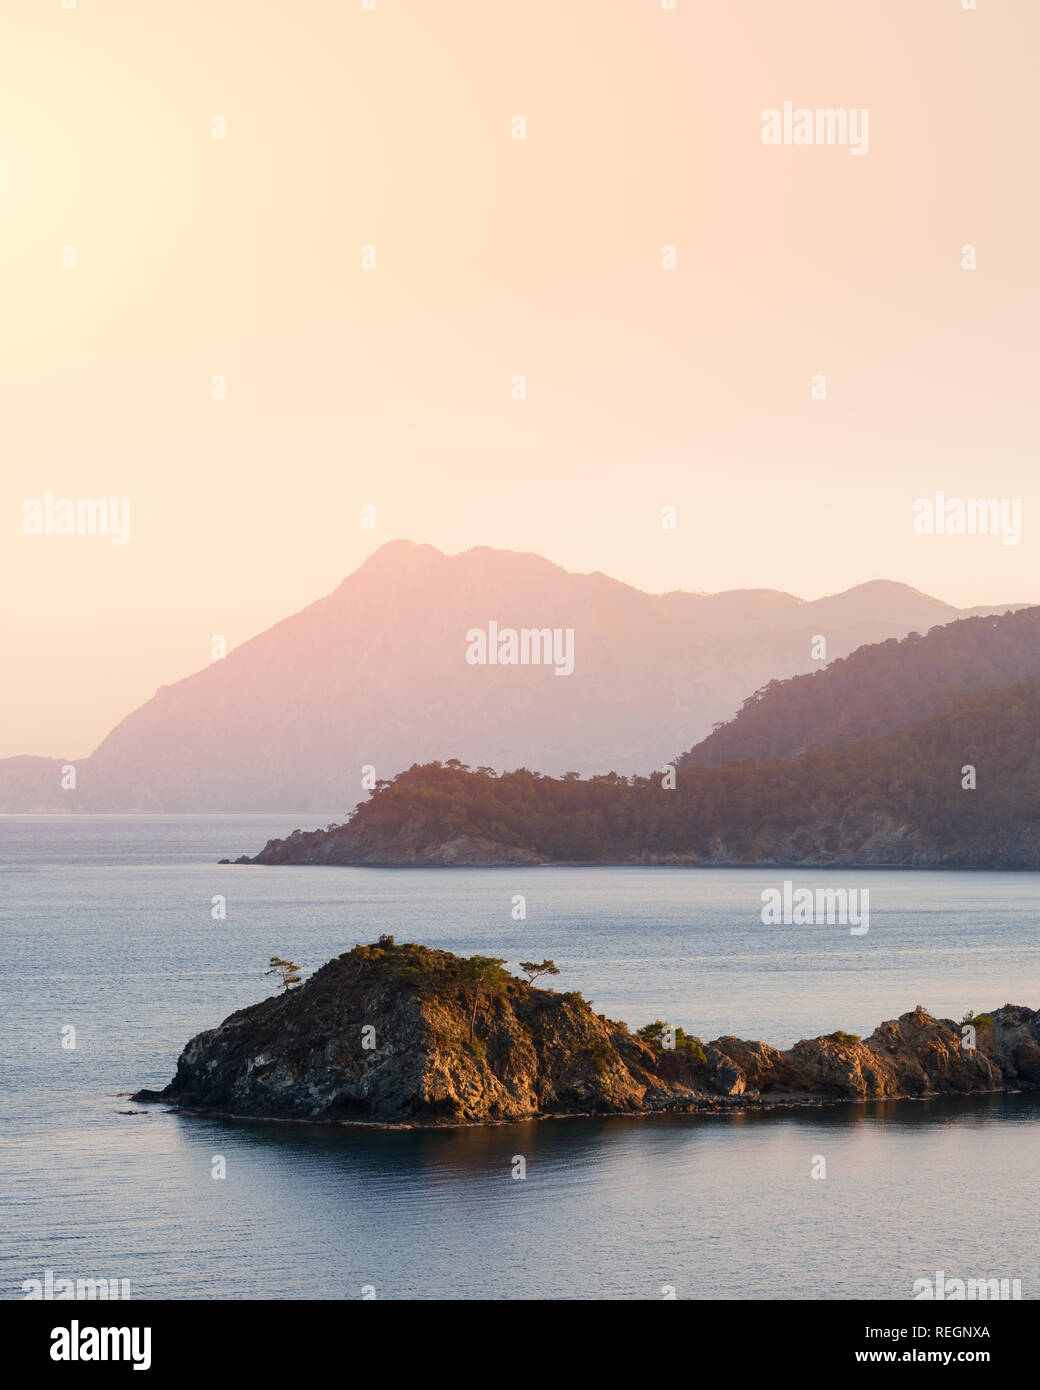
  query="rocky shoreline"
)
[
  {"x": 402, "y": 1036},
  {"x": 708, "y": 1106}
]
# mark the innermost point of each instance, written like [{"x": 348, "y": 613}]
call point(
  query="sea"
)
[{"x": 122, "y": 937}]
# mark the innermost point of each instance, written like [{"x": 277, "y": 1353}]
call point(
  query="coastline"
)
[
  {"x": 858, "y": 865},
  {"x": 710, "y": 1107}
]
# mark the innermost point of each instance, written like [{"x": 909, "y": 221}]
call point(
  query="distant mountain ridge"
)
[
  {"x": 375, "y": 675},
  {"x": 876, "y": 690}
]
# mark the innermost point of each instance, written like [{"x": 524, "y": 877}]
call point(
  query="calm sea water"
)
[{"x": 107, "y": 927}]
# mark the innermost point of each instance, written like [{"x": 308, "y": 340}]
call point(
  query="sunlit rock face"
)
[{"x": 402, "y": 1034}]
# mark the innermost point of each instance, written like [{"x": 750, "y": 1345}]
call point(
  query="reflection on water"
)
[{"x": 716, "y": 1206}]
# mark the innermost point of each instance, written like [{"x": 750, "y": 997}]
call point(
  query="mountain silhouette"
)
[{"x": 375, "y": 675}]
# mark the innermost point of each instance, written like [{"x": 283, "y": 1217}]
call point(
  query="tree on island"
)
[
  {"x": 484, "y": 976},
  {"x": 287, "y": 972},
  {"x": 533, "y": 971}
]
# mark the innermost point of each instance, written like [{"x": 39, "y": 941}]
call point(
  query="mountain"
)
[
  {"x": 376, "y": 674},
  {"x": 461, "y": 1041},
  {"x": 899, "y": 800},
  {"x": 876, "y": 690}
]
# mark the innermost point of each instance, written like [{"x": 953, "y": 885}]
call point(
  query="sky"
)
[{"x": 393, "y": 386}]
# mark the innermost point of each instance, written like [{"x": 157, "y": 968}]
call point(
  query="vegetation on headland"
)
[
  {"x": 904, "y": 798},
  {"x": 287, "y": 972},
  {"x": 876, "y": 690}
]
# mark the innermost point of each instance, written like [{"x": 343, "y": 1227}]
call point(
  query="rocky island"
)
[{"x": 403, "y": 1034}]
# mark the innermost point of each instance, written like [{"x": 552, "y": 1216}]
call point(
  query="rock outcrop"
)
[{"x": 404, "y": 1034}]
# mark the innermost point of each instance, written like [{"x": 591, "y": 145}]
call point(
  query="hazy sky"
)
[{"x": 495, "y": 257}]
